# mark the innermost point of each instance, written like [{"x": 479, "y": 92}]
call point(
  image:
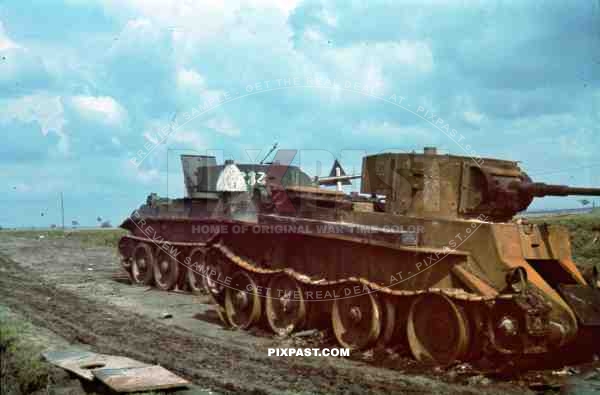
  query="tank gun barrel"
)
[{"x": 540, "y": 189}]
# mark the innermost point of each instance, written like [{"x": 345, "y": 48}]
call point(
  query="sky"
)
[{"x": 89, "y": 87}]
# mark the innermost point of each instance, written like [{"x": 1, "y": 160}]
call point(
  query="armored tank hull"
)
[{"x": 424, "y": 258}]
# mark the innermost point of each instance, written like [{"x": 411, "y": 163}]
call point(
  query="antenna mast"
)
[
  {"x": 62, "y": 211},
  {"x": 270, "y": 152}
]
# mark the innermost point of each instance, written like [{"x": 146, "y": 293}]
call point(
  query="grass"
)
[
  {"x": 22, "y": 370},
  {"x": 88, "y": 237}
]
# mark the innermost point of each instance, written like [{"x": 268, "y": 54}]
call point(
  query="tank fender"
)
[{"x": 475, "y": 283}]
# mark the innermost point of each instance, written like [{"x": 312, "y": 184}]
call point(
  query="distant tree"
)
[
  {"x": 106, "y": 224},
  {"x": 584, "y": 202}
]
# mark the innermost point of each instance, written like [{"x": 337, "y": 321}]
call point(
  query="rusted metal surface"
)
[
  {"x": 285, "y": 306},
  {"x": 249, "y": 266},
  {"x": 475, "y": 283},
  {"x": 585, "y": 301},
  {"x": 497, "y": 188},
  {"x": 357, "y": 321},
  {"x": 441, "y": 232},
  {"x": 135, "y": 379},
  {"x": 437, "y": 330}
]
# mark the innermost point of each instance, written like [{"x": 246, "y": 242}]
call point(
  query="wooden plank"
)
[
  {"x": 148, "y": 378},
  {"x": 82, "y": 363}
]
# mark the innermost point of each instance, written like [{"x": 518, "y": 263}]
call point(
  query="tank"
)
[{"x": 427, "y": 256}]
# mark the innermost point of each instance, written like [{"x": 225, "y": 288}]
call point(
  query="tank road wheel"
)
[
  {"x": 213, "y": 274},
  {"x": 242, "y": 302},
  {"x": 388, "y": 321},
  {"x": 166, "y": 271},
  {"x": 126, "y": 255},
  {"x": 206, "y": 273},
  {"x": 437, "y": 330},
  {"x": 356, "y": 321},
  {"x": 285, "y": 305},
  {"x": 126, "y": 263},
  {"x": 142, "y": 265},
  {"x": 197, "y": 263}
]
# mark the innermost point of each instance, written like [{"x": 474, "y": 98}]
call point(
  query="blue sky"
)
[{"x": 86, "y": 84}]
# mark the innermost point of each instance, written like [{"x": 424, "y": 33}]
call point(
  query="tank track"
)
[{"x": 439, "y": 326}]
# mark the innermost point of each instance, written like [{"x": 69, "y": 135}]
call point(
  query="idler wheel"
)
[
  {"x": 285, "y": 305},
  {"x": 142, "y": 265},
  {"x": 505, "y": 329},
  {"x": 166, "y": 271},
  {"x": 437, "y": 330},
  {"x": 242, "y": 301},
  {"x": 356, "y": 321},
  {"x": 194, "y": 278}
]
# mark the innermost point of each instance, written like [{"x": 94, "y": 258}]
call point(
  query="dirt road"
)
[{"x": 70, "y": 289}]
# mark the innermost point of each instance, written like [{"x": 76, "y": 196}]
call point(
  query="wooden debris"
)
[
  {"x": 148, "y": 378},
  {"x": 119, "y": 373},
  {"x": 82, "y": 363}
]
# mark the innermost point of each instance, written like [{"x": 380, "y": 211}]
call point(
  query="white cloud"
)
[
  {"x": 151, "y": 176},
  {"x": 189, "y": 10},
  {"x": 384, "y": 127},
  {"x": 100, "y": 108},
  {"x": 312, "y": 34},
  {"x": 148, "y": 136},
  {"x": 473, "y": 117},
  {"x": 328, "y": 18},
  {"x": 139, "y": 23},
  {"x": 189, "y": 140},
  {"x": 158, "y": 133},
  {"x": 392, "y": 130},
  {"x": 368, "y": 63},
  {"x": 148, "y": 176},
  {"x": 5, "y": 42},
  {"x": 140, "y": 174},
  {"x": 45, "y": 109},
  {"x": 190, "y": 78},
  {"x": 413, "y": 53},
  {"x": 223, "y": 125},
  {"x": 22, "y": 187},
  {"x": 199, "y": 20},
  {"x": 580, "y": 144},
  {"x": 286, "y": 6}
]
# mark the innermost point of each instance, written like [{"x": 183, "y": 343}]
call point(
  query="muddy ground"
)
[{"x": 73, "y": 291}]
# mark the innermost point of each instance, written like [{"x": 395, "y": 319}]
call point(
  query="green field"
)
[
  {"x": 89, "y": 237},
  {"x": 585, "y": 235}
]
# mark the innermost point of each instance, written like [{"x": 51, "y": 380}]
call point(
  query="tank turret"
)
[{"x": 449, "y": 186}]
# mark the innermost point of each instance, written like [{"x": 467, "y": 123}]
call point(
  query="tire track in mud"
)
[{"x": 223, "y": 367}]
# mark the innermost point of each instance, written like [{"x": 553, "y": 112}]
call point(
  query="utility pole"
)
[{"x": 62, "y": 211}]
